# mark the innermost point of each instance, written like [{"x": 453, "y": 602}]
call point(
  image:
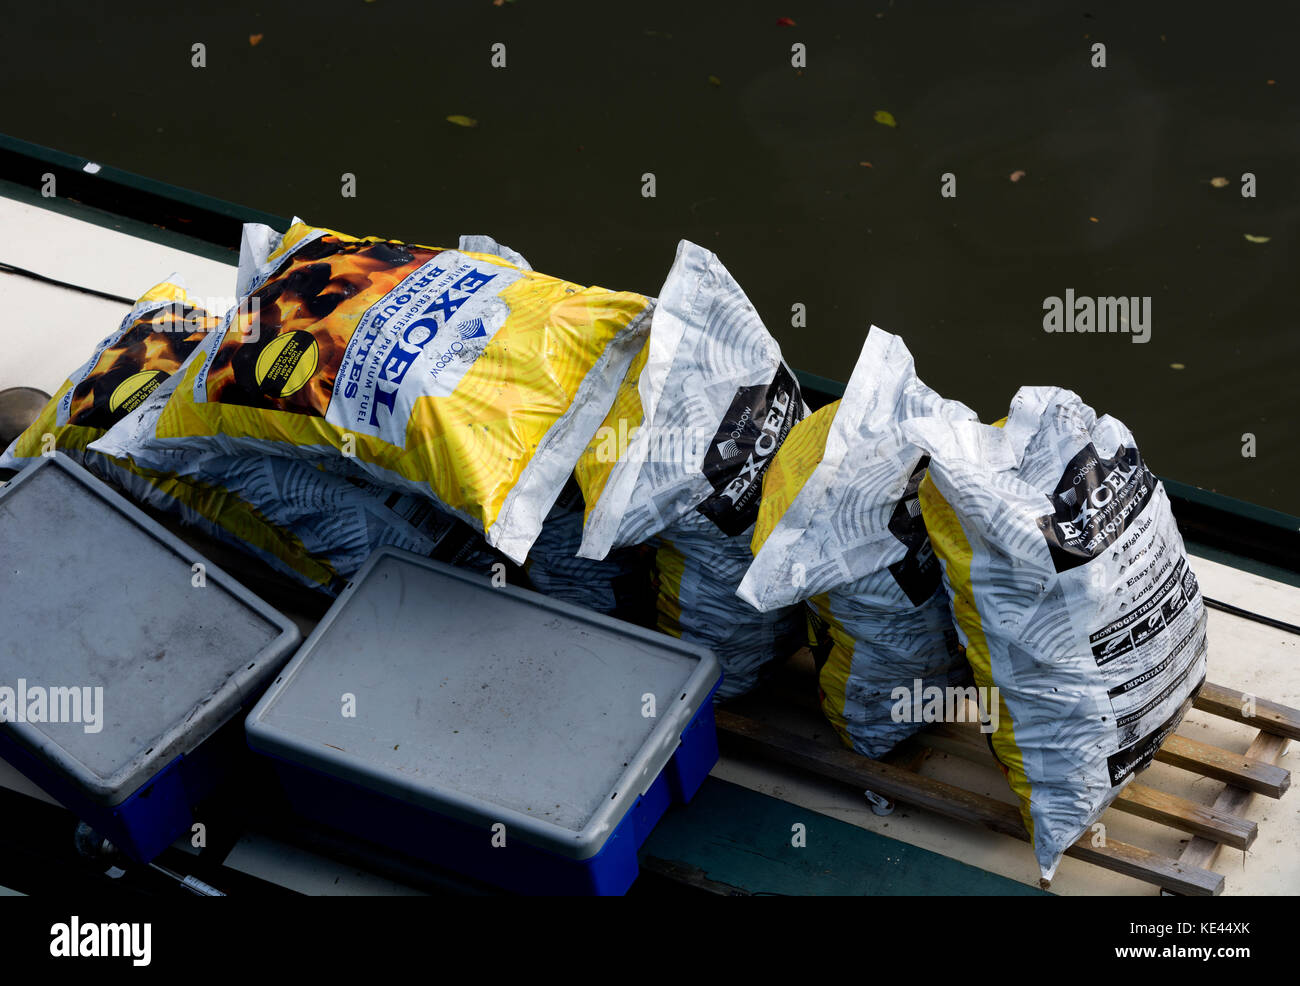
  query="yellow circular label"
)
[
  {"x": 287, "y": 363},
  {"x": 131, "y": 392}
]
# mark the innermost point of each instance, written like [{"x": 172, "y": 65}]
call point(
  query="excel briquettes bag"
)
[
  {"x": 460, "y": 376},
  {"x": 679, "y": 462},
  {"x": 312, "y": 526},
  {"x": 150, "y": 343},
  {"x": 713, "y": 402},
  {"x": 840, "y": 526},
  {"x": 1073, "y": 594}
]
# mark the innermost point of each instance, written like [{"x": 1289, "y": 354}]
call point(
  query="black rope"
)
[
  {"x": 1246, "y": 614},
  {"x": 23, "y": 272}
]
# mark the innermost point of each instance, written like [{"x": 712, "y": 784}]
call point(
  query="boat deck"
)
[{"x": 736, "y": 833}]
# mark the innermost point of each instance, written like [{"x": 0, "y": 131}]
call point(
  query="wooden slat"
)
[
  {"x": 965, "y": 740},
  {"x": 1220, "y": 827},
  {"x": 850, "y": 768},
  {"x": 1231, "y": 768},
  {"x": 909, "y": 756},
  {"x": 1272, "y": 717},
  {"x": 1149, "y": 867},
  {"x": 1200, "y": 852}
]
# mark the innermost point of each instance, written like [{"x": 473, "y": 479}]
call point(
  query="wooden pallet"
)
[{"x": 897, "y": 778}]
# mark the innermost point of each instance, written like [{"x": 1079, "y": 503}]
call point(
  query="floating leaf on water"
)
[
  {"x": 1177, "y": 366},
  {"x": 1093, "y": 219},
  {"x": 785, "y": 22},
  {"x": 714, "y": 80},
  {"x": 885, "y": 117},
  {"x": 1218, "y": 182},
  {"x": 1016, "y": 175},
  {"x": 255, "y": 39},
  {"x": 462, "y": 121},
  {"x": 1257, "y": 239}
]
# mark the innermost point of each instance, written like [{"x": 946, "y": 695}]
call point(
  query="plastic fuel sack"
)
[
  {"x": 460, "y": 376},
  {"x": 714, "y": 401},
  {"x": 619, "y": 585},
  {"x": 840, "y": 525},
  {"x": 1073, "y": 595},
  {"x": 680, "y": 459},
  {"x": 130, "y": 369},
  {"x": 313, "y": 525},
  {"x": 696, "y": 576},
  {"x": 155, "y": 337}
]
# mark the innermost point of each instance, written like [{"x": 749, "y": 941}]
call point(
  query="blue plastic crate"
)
[
  {"x": 484, "y": 714},
  {"x": 95, "y": 594}
]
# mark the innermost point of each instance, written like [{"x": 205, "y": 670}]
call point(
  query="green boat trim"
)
[{"x": 128, "y": 202}]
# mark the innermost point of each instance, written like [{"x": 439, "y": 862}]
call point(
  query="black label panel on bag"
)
[
  {"x": 1094, "y": 503},
  {"x": 751, "y": 431}
]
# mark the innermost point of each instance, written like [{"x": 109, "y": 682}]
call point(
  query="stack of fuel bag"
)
[{"x": 653, "y": 458}]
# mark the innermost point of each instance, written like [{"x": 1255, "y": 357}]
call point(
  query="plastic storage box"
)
[
  {"x": 491, "y": 730},
  {"x": 103, "y": 627}
]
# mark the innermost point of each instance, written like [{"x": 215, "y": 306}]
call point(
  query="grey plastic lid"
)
[
  {"x": 488, "y": 704},
  {"x": 96, "y": 594}
]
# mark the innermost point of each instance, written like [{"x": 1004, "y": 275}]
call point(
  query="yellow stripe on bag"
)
[
  {"x": 800, "y": 454},
  {"x": 670, "y": 570},
  {"x": 834, "y": 675},
  {"x": 613, "y": 436},
  {"x": 954, "y": 551},
  {"x": 30, "y": 444}
]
